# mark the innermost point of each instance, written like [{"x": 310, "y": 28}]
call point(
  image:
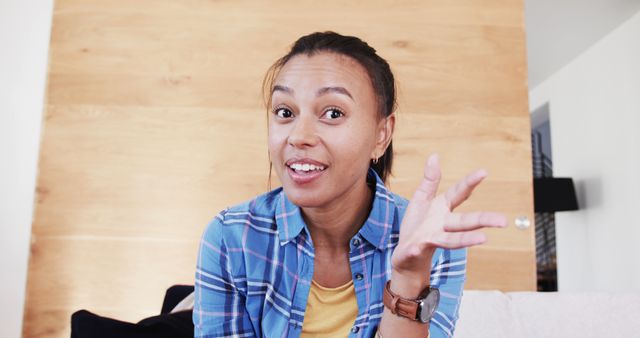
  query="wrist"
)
[
  {"x": 409, "y": 284},
  {"x": 410, "y": 277}
]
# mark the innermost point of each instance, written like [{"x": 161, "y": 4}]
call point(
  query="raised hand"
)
[{"x": 430, "y": 222}]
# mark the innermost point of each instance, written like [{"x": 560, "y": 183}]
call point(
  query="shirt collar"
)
[
  {"x": 288, "y": 219},
  {"x": 376, "y": 229}
]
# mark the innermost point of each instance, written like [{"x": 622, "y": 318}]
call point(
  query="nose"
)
[{"x": 303, "y": 134}]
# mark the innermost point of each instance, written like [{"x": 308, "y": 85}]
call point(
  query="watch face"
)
[{"x": 428, "y": 305}]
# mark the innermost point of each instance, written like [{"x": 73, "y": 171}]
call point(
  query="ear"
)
[{"x": 384, "y": 133}]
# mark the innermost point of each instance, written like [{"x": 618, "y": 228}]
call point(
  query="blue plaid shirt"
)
[{"x": 255, "y": 267}]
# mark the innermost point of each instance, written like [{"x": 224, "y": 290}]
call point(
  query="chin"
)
[{"x": 303, "y": 197}]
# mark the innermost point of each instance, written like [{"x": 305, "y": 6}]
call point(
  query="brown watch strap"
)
[{"x": 407, "y": 308}]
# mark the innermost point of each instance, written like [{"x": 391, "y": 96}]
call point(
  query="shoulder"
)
[
  {"x": 399, "y": 207},
  {"x": 257, "y": 213},
  {"x": 400, "y": 202}
]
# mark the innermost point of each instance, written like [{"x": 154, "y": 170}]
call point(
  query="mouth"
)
[{"x": 303, "y": 171}]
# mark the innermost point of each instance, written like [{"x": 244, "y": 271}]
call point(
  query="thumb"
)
[{"x": 429, "y": 186}]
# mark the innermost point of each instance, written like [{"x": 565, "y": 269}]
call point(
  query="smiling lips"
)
[{"x": 303, "y": 171}]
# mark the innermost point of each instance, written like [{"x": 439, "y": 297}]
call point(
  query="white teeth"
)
[{"x": 305, "y": 167}]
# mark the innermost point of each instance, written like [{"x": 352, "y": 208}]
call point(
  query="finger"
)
[
  {"x": 429, "y": 185},
  {"x": 456, "y": 222},
  {"x": 461, "y": 191},
  {"x": 458, "y": 240}
]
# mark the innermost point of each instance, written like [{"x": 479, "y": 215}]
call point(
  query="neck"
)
[{"x": 332, "y": 226}]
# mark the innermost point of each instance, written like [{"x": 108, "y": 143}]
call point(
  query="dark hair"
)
[{"x": 377, "y": 68}]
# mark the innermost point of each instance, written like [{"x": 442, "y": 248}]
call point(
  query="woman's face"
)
[{"x": 324, "y": 128}]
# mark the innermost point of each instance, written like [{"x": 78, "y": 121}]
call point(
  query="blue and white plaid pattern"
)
[{"x": 255, "y": 267}]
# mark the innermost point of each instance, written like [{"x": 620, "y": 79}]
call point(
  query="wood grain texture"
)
[{"x": 154, "y": 123}]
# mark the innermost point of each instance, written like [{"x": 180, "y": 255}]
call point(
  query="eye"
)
[
  {"x": 282, "y": 112},
  {"x": 333, "y": 113}
]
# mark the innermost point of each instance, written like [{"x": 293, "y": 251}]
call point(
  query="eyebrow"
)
[{"x": 320, "y": 92}]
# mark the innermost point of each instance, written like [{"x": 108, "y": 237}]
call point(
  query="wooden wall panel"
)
[{"x": 154, "y": 123}]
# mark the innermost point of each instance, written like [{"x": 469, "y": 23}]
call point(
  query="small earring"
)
[{"x": 375, "y": 160}]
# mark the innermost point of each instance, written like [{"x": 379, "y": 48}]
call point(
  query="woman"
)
[{"x": 333, "y": 253}]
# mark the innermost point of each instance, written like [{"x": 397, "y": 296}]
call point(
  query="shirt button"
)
[
  {"x": 355, "y": 329},
  {"x": 355, "y": 242},
  {"x": 358, "y": 276}
]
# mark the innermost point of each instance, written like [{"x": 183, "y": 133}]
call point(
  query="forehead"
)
[{"x": 324, "y": 69}]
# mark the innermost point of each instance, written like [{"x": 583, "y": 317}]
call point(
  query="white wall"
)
[
  {"x": 594, "y": 109},
  {"x": 559, "y": 30},
  {"x": 24, "y": 39}
]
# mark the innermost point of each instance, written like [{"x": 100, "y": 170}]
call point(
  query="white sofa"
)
[{"x": 550, "y": 314}]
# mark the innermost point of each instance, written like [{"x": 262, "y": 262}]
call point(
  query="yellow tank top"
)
[{"x": 331, "y": 312}]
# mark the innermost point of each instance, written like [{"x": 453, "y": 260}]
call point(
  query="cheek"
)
[
  {"x": 354, "y": 144},
  {"x": 276, "y": 138}
]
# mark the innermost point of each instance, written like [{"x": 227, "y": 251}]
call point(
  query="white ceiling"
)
[{"x": 560, "y": 30}]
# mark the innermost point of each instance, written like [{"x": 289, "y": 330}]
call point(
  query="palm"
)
[{"x": 430, "y": 222}]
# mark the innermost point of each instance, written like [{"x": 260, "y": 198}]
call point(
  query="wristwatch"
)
[{"x": 420, "y": 310}]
